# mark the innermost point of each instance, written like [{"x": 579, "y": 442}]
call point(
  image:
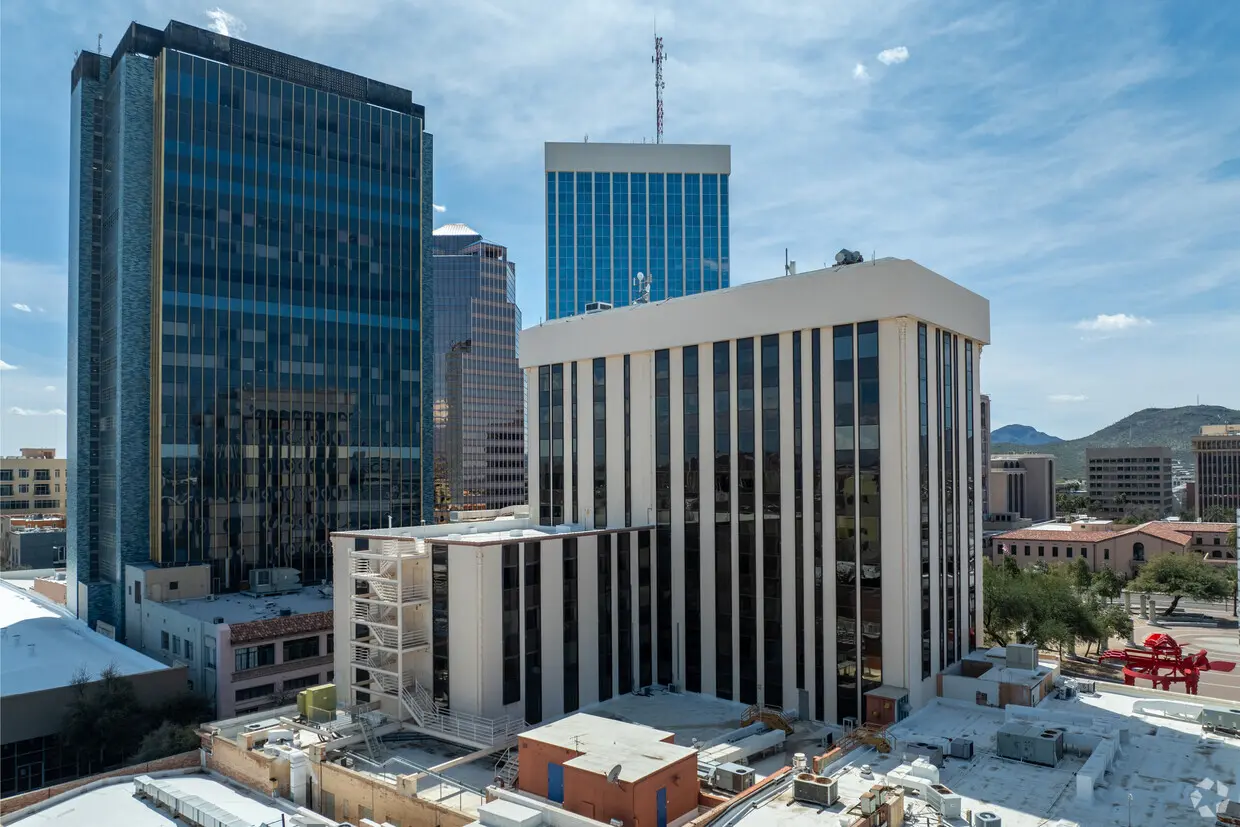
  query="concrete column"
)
[{"x": 1128, "y": 602}]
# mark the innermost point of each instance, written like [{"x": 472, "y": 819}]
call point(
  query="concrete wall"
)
[
  {"x": 53, "y": 590},
  {"x": 350, "y": 790},
  {"x": 33, "y": 714},
  {"x": 591, "y": 795},
  {"x": 253, "y": 769}
]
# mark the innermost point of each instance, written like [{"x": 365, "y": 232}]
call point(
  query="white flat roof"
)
[
  {"x": 887, "y": 288},
  {"x": 606, "y": 743},
  {"x": 115, "y": 806},
  {"x": 242, "y": 608},
  {"x": 1166, "y": 761},
  {"x": 708, "y": 159},
  {"x": 483, "y": 532},
  {"x": 43, "y": 647}
]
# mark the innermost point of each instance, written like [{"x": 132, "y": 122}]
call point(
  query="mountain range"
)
[
  {"x": 1172, "y": 427},
  {"x": 1022, "y": 435}
]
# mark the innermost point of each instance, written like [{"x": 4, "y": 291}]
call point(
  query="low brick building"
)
[{"x": 605, "y": 769}]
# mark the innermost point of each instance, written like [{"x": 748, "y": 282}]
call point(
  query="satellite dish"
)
[
  {"x": 848, "y": 257},
  {"x": 613, "y": 774},
  {"x": 642, "y": 282}
]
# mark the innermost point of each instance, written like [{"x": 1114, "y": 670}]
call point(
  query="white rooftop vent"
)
[{"x": 516, "y": 532}]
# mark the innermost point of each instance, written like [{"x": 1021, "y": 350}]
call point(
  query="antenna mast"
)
[{"x": 658, "y": 86}]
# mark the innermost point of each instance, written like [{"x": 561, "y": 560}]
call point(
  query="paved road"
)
[{"x": 1221, "y": 645}]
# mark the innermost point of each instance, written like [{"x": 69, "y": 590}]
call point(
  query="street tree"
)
[{"x": 1180, "y": 576}]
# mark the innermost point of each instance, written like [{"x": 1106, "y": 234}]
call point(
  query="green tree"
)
[
  {"x": 1107, "y": 584},
  {"x": 1180, "y": 576},
  {"x": 1082, "y": 577},
  {"x": 1218, "y": 514},
  {"x": 103, "y": 722},
  {"x": 167, "y": 739}
]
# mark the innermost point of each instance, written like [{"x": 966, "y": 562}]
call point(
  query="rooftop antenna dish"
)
[
  {"x": 613, "y": 775},
  {"x": 642, "y": 282}
]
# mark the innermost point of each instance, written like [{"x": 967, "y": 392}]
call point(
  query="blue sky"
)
[{"x": 1076, "y": 163}]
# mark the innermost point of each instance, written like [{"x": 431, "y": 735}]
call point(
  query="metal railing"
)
[{"x": 473, "y": 729}]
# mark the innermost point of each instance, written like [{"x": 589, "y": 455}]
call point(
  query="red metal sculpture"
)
[{"x": 1164, "y": 662}]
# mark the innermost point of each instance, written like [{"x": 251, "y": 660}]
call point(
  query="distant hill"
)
[
  {"x": 1022, "y": 435},
  {"x": 1172, "y": 427}
]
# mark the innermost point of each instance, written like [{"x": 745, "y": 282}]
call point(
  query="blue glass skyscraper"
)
[
  {"x": 249, "y": 296},
  {"x": 614, "y": 210}
]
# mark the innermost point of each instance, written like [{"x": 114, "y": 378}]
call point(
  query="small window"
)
[
  {"x": 189, "y": 650},
  {"x": 173, "y": 585},
  {"x": 163, "y": 641},
  {"x": 1069, "y": 551},
  {"x": 1041, "y": 551},
  {"x": 176, "y": 645},
  {"x": 137, "y": 593},
  {"x": 1106, "y": 554},
  {"x": 1054, "y": 551},
  {"x": 1218, "y": 541},
  {"x": 1026, "y": 551},
  {"x": 208, "y": 657}
]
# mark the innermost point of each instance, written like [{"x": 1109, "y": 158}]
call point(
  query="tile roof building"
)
[{"x": 1121, "y": 550}]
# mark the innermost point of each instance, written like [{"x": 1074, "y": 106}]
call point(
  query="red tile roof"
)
[
  {"x": 1213, "y": 528},
  {"x": 1172, "y": 532},
  {"x": 1066, "y": 537},
  {"x": 277, "y": 627},
  {"x": 1163, "y": 531}
]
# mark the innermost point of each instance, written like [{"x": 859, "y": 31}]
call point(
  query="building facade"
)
[
  {"x": 1216, "y": 455},
  {"x": 616, "y": 210},
  {"x": 1122, "y": 549},
  {"x": 258, "y": 226},
  {"x": 243, "y": 652},
  {"x": 1124, "y": 482},
  {"x": 32, "y": 542},
  {"x": 34, "y": 482},
  {"x": 1021, "y": 486},
  {"x": 479, "y": 387},
  {"x": 984, "y": 408},
  {"x": 772, "y": 499}
]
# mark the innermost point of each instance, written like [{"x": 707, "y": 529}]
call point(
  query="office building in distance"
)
[
  {"x": 1125, "y": 482},
  {"x": 479, "y": 388},
  {"x": 34, "y": 482},
  {"x": 616, "y": 210},
  {"x": 249, "y": 294},
  {"x": 1216, "y": 454},
  {"x": 1021, "y": 488},
  {"x": 768, "y": 494}
]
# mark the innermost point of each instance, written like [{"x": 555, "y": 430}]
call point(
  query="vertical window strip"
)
[
  {"x": 600, "y": 443},
  {"x": 747, "y": 562},
  {"x": 663, "y": 512},
  {"x": 692, "y": 488},
  {"x": 772, "y": 528},
  {"x": 722, "y": 407}
]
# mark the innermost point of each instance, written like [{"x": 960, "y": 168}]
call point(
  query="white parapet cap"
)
[{"x": 888, "y": 288}]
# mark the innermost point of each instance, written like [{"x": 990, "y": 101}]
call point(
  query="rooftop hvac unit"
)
[
  {"x": 985, "y": 818},
  {"x": 913, "y": 750},
  {"x": 1020, "y": 656},
  {"x": 274, "y": 581},
  {"x": 734, "y": 778},
  {"x": 1087, "y": 687},
  {"x": 822, "y": 790},
  {"x": 1220, "y": 720},
  {"x": 595, "y": 307},
  {"x": 962, "y": 748}
]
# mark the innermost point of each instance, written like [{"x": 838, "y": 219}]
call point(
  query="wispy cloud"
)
[
  {"x": 49, "y": 387},
  {"x": 1114, "y": 323},
  {"x": 29, "y": 412},
  {"x": 890, "y": 56},
  {"x": 1067, "y": 397},
  {"x": 6, "y": 366},
  {"x": 860, "y": 72},
  {"x": 439, "y": 207},
  {"x": 25, "y": 308},
  {"x": 225, "y": 23}
]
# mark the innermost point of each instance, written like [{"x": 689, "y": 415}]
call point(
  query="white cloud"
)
[
  {"x": 6, "y": 366},
  {"x": 1067, "y": 397},
  {"x": 890, "y": 56},
  {"x": 25, "y": 308},
  {"x": 1115, "y": 323},
  {"x": 439, "y": 207},
  {"x": 860, "y": 72},
  {"x": 49, "y": 388},
  {"x": 40, "y": 284},
  {"x": 29, "y": 412},
  {"x": 224, "y": 23}
]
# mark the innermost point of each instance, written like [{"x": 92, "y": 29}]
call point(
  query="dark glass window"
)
[
  {"x": 747, "y": 562},
  {"x": 950, "y": 506},
  {"x": 545, "y": 493},
  {"x": 439, "y": 622},
  {"x": 252, "y": 693},
  {"x": 941, "y": 453},
  {"x": 869, "y": 510},
  {"x": 846, "y": 644},
  {"x": 572, "y": 684},
  {"x": 303, "y": 647},
  {"x": 798, "y": 488},
  {"x": 600, "y": 443},
  {"x": 606, "y": 656},
  {"x": 722, "y": 371},
  {"x": 820, "y": 643},
  {"x": 577, "y": 475},
  {"x": 923, "y": 443},
  {"x": 628, "y": 450},
  {"x": 510, "y": 589},
  {"x": 645, "y": 618},
  {"x": 557, "y": 444},
  {"x": 970, "y": 483},
  {"x": 533, "y": 633},
  {"x": 663, "y": 511},
  {"x": 624, "y": 602},
  {"x": 693, "y": 550},
  {"x": 772, "y": 529},
  {"x": 252, "y": 657}
]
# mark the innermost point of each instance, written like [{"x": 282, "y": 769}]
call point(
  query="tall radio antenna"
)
[{"x": 658, "y": 86}]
